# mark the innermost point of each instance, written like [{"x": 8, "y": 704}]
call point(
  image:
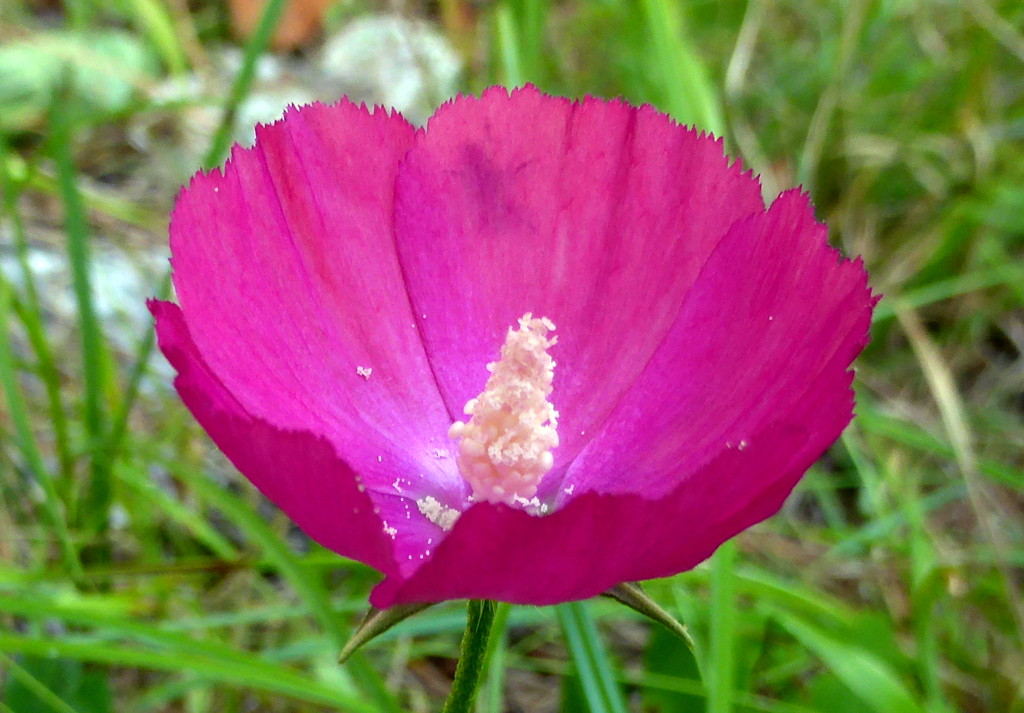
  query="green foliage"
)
[
  {"x": 666, "y": 655},
  {"x": 103, "y": 70},
  {"x": 59, "y": 685},
  {"x": 592, "y": 665}
]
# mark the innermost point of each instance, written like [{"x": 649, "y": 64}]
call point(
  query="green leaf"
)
[
  {"x": 792, "y": 596},
  {"x": 827, "y": 693},
  {"x": 55, "y": 684},
  {"x": 105, "y": 70},
  {"x": 868, "y": 676},
  {"x": 376, "y": 622},
  {"x": 667, "y": 655},
  {"x": 43, "y": 684},
  {"x": 631, "y": 595}
]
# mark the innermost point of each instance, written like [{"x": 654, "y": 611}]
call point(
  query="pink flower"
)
[{"x": 345, "y": 284}]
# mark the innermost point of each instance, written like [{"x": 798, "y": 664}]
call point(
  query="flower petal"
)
[
  {"x": 659, "y": 488},
  {"x": 594, "y": 214},
  {"x": 300, "y": 472},
  {"x": 597, "y": 541},
  {"x": 286, "y": 272},
  {"x": 773, "y": 309}
]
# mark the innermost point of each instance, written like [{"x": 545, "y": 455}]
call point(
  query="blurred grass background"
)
[{"x": 138, "y": 572}]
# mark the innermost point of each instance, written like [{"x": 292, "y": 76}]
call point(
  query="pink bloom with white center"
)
[{"x": 537, "y": 349}]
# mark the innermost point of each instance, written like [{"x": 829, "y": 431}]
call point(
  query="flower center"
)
[{"x": 505, "y": 448}]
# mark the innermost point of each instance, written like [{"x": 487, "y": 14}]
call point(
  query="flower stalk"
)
[{"x": 472, "y": 655}]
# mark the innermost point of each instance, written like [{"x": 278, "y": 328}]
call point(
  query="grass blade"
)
[
  {"x": 31, "y": 316},
  {"x": 143, "y": 352},
  {"x": 153, "y": 19},
  {"x": 306, "y": 583},
  {"x": 78, "y": 248},
  {"x": 721, "y": 669},
  {"x": 26, "y": 439},
  {"x": 946, "y": 289},
  {"x": 96, "y": 506},
  {"x": 914, "y": 436},
  {"x": 829, "y": 102},
  {"x": 867, "y": 676},
  {"x": 493, "y": 698},
  {"x": 218, "y": 147},
  {"x": 988, "y": 509},
  {"x": 139, "y": 481},
  {"x": 600, "y": 686},
  {"x": 38, "y": 688},
  {"x": 243, "y": 80},
  {"x": 204, "y": 657},
  {"x": 310, "y": 589},
  {"x": 531, "y": 38},
  {"x": 690, "y": 96},
  {"x": 508, "y": 46},
  {"x": 250, "y": 673}
]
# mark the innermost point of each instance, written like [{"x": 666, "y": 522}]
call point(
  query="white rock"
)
[{"x": 395, "y": 61}]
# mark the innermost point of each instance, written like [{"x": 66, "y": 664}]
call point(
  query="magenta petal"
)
[
  {"x": 344, "y": 284},
  {"x": 594, "y": 214},
  {"x": 597, "y": 541},
  {"x": 298, "y": 471},
  {"x": 661, "y": 486},
  {"x": 286, "y": 271},
  {"x": 773, "y": 312}
]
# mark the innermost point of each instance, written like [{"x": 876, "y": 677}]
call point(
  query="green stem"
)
[{"x": 472, "y": 656}]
